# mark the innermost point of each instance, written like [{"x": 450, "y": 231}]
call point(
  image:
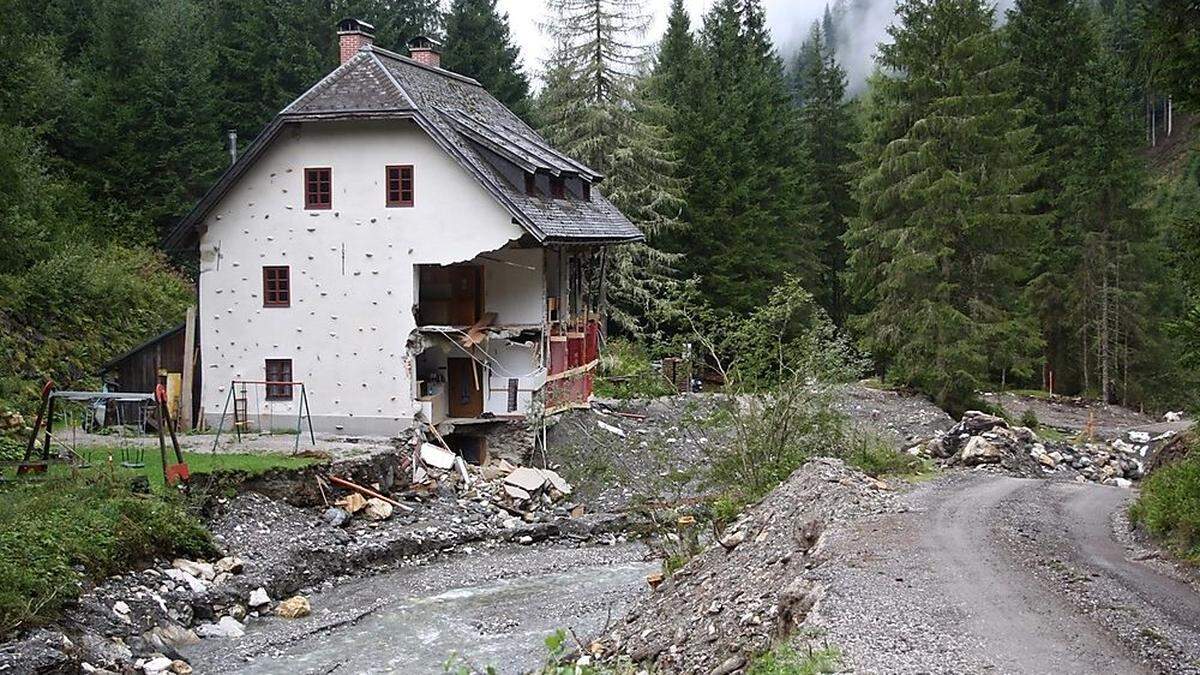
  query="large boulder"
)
[
  {"x": 975, "y": 422},
  {"x": 979, "y": 450}
]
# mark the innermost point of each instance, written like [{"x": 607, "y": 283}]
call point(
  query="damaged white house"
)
[{"x": 407, "y": 248}]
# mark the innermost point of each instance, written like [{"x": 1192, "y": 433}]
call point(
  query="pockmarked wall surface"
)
[{"x": 351, "y": 270}]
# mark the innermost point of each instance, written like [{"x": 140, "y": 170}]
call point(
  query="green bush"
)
[
  {"x": 1169, "y": 505},
  {"x": 874, "y": 456},
  {"x": 55, "y": 533},
  {"x": 626, "y": 372},
  {"x": 773, "y": 433},
  {"x": 66, "y": 314},
  {"x": 1030, "y": 419}
]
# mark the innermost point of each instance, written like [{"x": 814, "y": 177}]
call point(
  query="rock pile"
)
[
  {"x": 521, "y": 491},
  {"x": 981, "y": 440},
  {"x": 734, "y": 599}
]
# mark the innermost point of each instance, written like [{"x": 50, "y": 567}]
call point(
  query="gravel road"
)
[{"x": 983, "y": 573}]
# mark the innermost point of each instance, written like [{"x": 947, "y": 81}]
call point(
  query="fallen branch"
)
[{"x": 368, "y": 492}]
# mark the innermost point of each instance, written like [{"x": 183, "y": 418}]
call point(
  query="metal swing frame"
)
[{"x": 303, "y": 412}]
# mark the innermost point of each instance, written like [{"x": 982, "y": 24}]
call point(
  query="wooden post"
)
[{"x": 189, "y": 370}]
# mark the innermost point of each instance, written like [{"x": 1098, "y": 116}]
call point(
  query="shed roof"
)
[{"x": 461, "y": 117}]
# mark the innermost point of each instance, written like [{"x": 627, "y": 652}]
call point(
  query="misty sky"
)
[{"x": 789, "y": 21}]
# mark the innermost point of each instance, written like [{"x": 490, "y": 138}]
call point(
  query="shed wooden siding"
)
[{"x": 138, "y": 370}]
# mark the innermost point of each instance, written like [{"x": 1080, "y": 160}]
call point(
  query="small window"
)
[
  {"x": 279, "y": 379},
  {"x": 558, "y": 187},
  {"x": 587, "y": 191},
  {"x": 277, "y": 287},
  {"x": 531, "y": 184},
  {"x": 400, "y": 185},
  {"x": 318, "y": 188}
]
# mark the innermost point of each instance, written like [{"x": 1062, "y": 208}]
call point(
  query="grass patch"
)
[
  {"x": 1055, "y": 435},
  {"x": 787, "y": 660},
  {"x": 626, "y": 372},
  {"x": 57, "y": 532},
  {"x": 1169, "y": 506},
  {"x": 198, "y": 463}
]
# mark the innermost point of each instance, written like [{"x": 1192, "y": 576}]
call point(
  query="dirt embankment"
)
[{"x": 734, "y": 600}]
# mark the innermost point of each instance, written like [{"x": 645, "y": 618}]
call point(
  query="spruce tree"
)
[
  {"x": 674, "y": 60},
  {"x": 1103, "y": 184},
  {"x": 829, "y": 130},
  {"x": 595, "y": 107},
  {"x": 941, "y": 243},
  {"x": 1051, "y": 42},
  {"x": 740, "y": 140},
  {"x": 478, "y": 45}
]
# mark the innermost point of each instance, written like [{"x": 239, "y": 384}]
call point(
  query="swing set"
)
[
  {"x": 273, "y": 392},
  {"x": 88, "y": 411}
]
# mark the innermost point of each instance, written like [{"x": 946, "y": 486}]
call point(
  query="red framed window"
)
[
  {"x": 277, "y": 286},
  {"x": 400, "y": 185},
  {"x": 318, "y": 188},
  {"x": 558, "y": 187},
  {"x": 279, "y": 379}
]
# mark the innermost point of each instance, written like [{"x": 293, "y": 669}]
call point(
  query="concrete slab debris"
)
[
  {"x": 556, "y": 481},
  {"x": 526, "y": 478},
  {"x": 436, "y": 457},
  {"x": 515, "y": 492},
  {"x": 611, "y": 429}
]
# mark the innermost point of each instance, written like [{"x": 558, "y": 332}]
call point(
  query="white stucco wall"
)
[{"x": 352, "y": 278}]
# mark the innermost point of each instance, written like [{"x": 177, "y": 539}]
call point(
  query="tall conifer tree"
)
[
  {"x": 1051, "y": 42},
  {"x": 829, "y": 130},
  {"x": 1103, "y": 184},
  {"x": 940, "y": 247},
  {"x": 595, "y": 107},
  {"x": 740, "y": 140}
]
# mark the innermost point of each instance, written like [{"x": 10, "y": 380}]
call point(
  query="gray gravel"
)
[{"x": 998, "y": 574}]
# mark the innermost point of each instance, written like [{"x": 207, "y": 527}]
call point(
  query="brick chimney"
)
[
  {"x": 426, "y": 50},
  {"x": 353, "y": 34}
]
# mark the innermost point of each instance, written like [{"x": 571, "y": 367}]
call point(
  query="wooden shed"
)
[{"x": 159, "y": 360}]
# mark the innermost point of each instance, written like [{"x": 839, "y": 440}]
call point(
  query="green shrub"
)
[
  {"x": 1169, "y": 505},
  {"x": 626, "y": 372},
  {"x": 1030, "y": 419},
  {"x": 774, "y": 432},
  {"x": 66, "y": 314},
  {"x": 93, "y": 522},
  {"x": 874, "y": 456},
  {"x": 787, "y": 660}
]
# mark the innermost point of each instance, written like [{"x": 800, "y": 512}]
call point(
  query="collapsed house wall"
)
[{"x": 351, "y": 271}]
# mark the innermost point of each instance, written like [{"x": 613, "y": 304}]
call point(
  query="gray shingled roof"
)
[{"x": 462, "y": 117}]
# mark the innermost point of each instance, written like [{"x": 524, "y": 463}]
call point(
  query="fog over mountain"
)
[{"x": 863, "y": 25}]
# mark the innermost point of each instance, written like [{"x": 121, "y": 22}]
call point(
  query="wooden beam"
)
[{"x": 189, "y": 370}]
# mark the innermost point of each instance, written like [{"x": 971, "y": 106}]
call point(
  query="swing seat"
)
[{"x": 133, "y": 465}]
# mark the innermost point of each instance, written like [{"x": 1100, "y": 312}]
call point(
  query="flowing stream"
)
[{"x": 501, "y": 622}]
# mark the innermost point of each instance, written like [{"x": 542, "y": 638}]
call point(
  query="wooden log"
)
[{"x": 368, "y": 492}]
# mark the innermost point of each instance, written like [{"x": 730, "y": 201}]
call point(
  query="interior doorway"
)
[{"x": 465, "y": 388}]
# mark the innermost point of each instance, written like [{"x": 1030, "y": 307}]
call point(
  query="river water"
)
[{"x": 500, "y": 620}]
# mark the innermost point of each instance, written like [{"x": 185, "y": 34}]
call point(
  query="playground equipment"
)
[
  {"x": 90, "y": 413},
  {"x": 177, "y": 472},
  {"x": 239, "y": 396}
]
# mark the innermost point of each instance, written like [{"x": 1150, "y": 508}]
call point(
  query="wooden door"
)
[{"x": 466, "y": 393}]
